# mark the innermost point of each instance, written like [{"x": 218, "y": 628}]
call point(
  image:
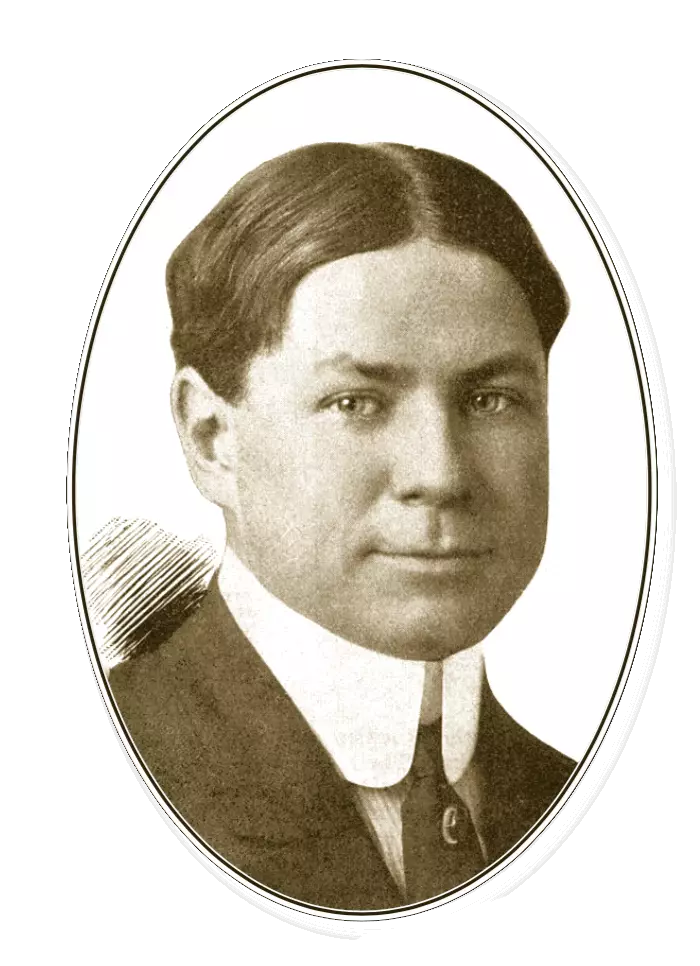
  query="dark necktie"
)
[{"x": 440, "y": 847}]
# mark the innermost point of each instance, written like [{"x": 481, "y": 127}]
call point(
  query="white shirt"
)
[{"x": 363, "y": 706}]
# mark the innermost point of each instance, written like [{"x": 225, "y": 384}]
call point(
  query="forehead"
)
[{"x": 421, "y": 305}]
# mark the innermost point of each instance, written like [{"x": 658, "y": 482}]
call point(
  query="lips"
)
[
  {"x": 431, "y": 552},
  {"x": 434, "y": 561}
]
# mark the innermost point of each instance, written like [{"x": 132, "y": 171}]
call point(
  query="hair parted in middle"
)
[{"x": 231, "y": 280}]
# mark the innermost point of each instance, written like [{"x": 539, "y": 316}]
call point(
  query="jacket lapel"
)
[
  {"x": 513, "y": 779},
  {"x": 276, "y": 807}
]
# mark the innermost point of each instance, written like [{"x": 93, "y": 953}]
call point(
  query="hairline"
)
[{"x": 268, "y": 349}]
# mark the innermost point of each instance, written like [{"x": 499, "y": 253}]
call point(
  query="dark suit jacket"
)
[{"x": 233, "y": 755}]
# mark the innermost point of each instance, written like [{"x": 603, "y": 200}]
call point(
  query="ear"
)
[{"x": 205, "y": 426}]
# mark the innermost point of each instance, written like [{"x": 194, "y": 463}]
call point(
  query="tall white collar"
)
[{"x": 363, "y": 706}]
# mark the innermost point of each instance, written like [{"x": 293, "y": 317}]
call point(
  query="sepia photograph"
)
[
  {"x": 346, "y": 405},
  {"x": 363, "y": 490}
]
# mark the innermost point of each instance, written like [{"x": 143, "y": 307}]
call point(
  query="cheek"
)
[
  {"x": 338, "y": 481},
  {"x": 305, "y": 490},
  {"x": 267, "y": 468},
  {"x": 515, "y": 470}
]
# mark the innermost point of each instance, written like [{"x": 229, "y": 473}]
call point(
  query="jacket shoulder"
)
[
  {"x": 147, "y": 682},
  {"x": 523, "y": 776},
  {"x": 167, "y": 703}
]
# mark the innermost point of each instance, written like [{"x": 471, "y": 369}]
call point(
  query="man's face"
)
[{"x": 391, "y": 454}]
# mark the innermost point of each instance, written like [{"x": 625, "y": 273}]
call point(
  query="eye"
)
[
  {"x": 356, "y": 406},
  {"x": 489, "y": 402}
]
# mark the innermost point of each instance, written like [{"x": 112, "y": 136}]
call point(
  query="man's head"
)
[{"x": 362, "y": 335}]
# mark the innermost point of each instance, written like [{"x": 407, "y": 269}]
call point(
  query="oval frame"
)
[{"x": 556, "y": 823}]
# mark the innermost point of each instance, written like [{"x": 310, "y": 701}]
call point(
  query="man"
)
[{"x": 361, "y": 334}]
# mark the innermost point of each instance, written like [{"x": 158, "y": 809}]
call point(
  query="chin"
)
[
  {"x": 430, "y": 631},
  {"x": 431, "y": 616},
  {"x": 429, "y": 628}
]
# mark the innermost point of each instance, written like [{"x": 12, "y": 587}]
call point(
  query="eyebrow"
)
[{"x": 507, "y": 363}]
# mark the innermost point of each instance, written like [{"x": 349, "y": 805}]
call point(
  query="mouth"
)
[{"x": 437, "y": 562}]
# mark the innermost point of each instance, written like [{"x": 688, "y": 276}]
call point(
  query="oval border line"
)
[{"x": 607, "y": 743}]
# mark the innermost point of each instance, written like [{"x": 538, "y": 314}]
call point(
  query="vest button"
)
[{"x": 450, "y": 818}]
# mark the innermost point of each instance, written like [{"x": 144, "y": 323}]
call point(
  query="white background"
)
[{"x": 101, "y": 100}]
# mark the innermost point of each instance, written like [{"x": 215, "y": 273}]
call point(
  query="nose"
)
[{"x": 430, "y": 458}]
